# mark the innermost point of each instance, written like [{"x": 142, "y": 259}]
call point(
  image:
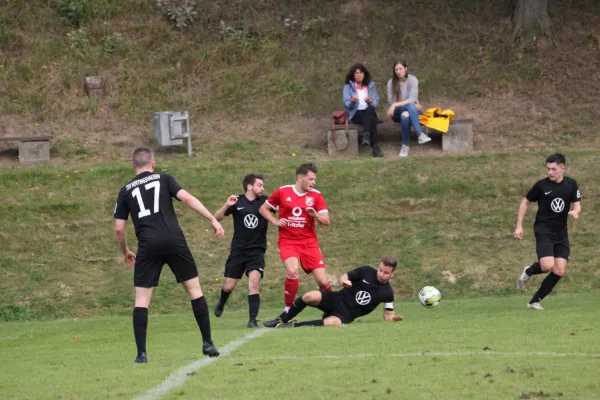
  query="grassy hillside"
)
[
  {"x": 448, "y": 219},
  {"x": 259, "y": 62}
]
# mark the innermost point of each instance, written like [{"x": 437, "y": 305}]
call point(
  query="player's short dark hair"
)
[
  {"x": 142, "y": 156},
  {"x": 389, "y": 261},
  {"x": 306, "y": 168},
  {"x": 250, "y": 179},
  {"x": 557, "y": 158}
]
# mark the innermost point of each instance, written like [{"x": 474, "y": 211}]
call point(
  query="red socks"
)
[{"x": 290, "y": 288}]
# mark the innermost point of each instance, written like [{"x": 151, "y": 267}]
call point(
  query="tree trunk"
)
[{"x": 531, "y": 19}]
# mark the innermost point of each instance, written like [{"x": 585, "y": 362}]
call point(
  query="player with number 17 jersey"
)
[{"x": 293, "y": 206}]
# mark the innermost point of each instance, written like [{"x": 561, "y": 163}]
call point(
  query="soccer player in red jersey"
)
[{"x": 299, "y": 206}]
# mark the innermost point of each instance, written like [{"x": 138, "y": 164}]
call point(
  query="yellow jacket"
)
[{"x": 437, "y": 119}]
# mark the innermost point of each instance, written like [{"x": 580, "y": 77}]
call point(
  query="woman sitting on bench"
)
[
  {"x": 403, "y": 98},
  {"x": 361, "y": 100}
]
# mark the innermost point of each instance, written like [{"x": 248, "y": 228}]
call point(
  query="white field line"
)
[
  {"x": 178, "y": 378},
  {"x": 424, "y": 354}
]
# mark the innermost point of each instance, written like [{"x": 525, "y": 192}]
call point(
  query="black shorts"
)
[
  {"x": 552, "y": 245},
  {"x": 148, "y": 266},
  {"x": 239, "y": 263},
  {"x": 332, "y": 304}
]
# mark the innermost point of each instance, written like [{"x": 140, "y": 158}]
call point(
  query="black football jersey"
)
[
  {"x": 554, "y": 203},
  {"x": 149, "y": 200},
  {"x": 366, "y": 292},
  {"x": 249, "y": 227}
]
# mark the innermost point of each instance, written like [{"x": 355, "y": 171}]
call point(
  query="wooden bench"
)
[
  {"x": 458, "y": 139},
  {"x": 32, "y": 149}
]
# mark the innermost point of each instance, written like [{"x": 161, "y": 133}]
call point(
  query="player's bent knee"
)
[
  {"x": 332, "y": 321},
  {"x": 313, "y": 297}
]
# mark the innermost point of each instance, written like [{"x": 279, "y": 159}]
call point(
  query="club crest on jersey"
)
[{"x": 310, "y": 201}]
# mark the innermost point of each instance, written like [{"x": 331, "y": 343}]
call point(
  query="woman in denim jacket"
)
[
  {"x": 361, "y": 100},
  {"x": 403, "y": 98}
]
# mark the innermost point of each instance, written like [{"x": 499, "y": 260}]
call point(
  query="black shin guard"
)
[
  {"x": 140, "y": 327},
  {"x": 253, "y": 305},
  {"x": 546, "y": 287},
  {"x": 200, "y": 309},
  {"x": 534, "y": 269},
  {"x": 297, "y": 306},
  {"x": 224, "y": 296},
  {"x": 317, "y": 322}
]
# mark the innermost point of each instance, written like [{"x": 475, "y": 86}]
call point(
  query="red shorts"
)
[{"x": 310, "y": 256}]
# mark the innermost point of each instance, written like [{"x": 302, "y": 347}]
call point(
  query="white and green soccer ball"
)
[{"x": 430, "y": 296}]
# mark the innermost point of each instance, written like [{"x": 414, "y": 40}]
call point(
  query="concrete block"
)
[
  {"x": 343, "y": 146},
  {"x": 459, "y": 138},
  {"x": 31, "y": 153}
]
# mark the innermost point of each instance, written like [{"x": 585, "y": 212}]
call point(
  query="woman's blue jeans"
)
[{"x": 406, "y": 122}]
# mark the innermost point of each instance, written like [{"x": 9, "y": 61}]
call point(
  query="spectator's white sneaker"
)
[
  {"x": 404, "y": 151},
  {"x": 423, "y": 138},
  {"x": 536, "y": 306},
  {"x": 522, "y": 281}
]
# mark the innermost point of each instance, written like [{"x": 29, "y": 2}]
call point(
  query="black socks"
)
[
  {"x": 140, "y": 327},
  {"x": 546, "y": 287},
  {"x": 200, "y": 308}
]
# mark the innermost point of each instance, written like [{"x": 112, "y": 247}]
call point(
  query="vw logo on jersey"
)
[
  {"x": 251, "y": 221},
  {"x": 363, "y": 298},
  {"x": 557, "y": 205},
  {"x": 310, "y": 201}
]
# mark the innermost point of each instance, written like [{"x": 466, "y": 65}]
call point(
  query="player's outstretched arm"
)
[
  {"x": 518, "y": 234},
  {"x": 122, "y": 239},
  {"x": 391, "y": 316},
  {"x": 231, "y": 200},
  {"x": 195, "y": 204}
]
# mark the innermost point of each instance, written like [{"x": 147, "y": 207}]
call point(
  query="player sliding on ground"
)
[{"x": 364, "y": 289}]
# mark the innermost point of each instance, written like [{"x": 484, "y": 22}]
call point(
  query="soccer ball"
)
[{"x": 430, "y": 296}]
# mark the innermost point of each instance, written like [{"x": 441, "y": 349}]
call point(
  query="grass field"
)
[
  {"x": 449, "y": 220},
  {"x": 491, "y": 347}
]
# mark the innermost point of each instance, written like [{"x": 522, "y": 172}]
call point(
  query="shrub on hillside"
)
[
  {"x": 74, "y": 13},
  {"x": 180, "y": 13}
]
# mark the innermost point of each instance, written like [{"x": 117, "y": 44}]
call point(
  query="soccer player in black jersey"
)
[
  {"x": 554, "y": 196},
  {"x": 364, "y": 289},
  {"x": 248, "y": 245},
  {"x": 149, "y": 200}
]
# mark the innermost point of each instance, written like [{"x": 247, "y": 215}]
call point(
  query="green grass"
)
[
  {"x": 490, "y": 347},
  {"x": 441, "y": 216}
]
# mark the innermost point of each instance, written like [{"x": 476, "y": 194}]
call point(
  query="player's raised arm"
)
[
  {"x": 231, "y": 200},
  {"x": 195, "y": 204},
  {"x": 518, "y": 234}
]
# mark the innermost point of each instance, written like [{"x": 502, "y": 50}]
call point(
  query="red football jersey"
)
[{"x": 292, "y": 206}]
